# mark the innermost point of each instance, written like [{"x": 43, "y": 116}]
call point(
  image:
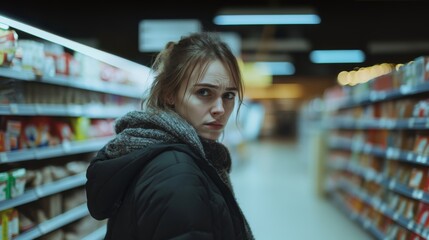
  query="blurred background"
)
[{"x": 329, "y": 100}]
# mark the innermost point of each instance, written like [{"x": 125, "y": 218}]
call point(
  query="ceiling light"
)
[
  {"x": 278, "y": 68},
  {"x": 337, "y": 56},
  {"x": 154, "y": 34},
  {"x": 266, "y": 17}
]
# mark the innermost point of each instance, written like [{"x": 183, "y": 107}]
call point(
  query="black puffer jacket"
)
[{"x": 162, "y": 192}]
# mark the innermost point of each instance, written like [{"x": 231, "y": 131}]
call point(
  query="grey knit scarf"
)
[{"x": 139, "y": 129}]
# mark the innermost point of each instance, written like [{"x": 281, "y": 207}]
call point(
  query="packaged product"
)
[
  {"x": 5, "y": 225},
  {"x": 13, "y": 221},
  {"x": 17, "y": 180},
  {"x": 416, "y": 177},
  {"x": 13, "y": 135},
  {"x": 37, "y": 132},
  {"x": 4, "y": 186},
  {"x": 80, "y": 126},
  {"x": 31, "y": 55},
  {"x": 8, "y": 44}
]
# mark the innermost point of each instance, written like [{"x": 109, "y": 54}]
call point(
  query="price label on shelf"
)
[
  {"x": 3, "y": 157},
  {"x": 376, "y": 203},
  {"x": 405, "y": 89},
  {"x": 396, "y": 216},
  {"x": 373, "y": 95},
  {"x": 392, "y": 153},
  {"x": 378, "y": 178},
  {"x": 13, "y": 108},
  {"x": 418, "y": 229},
  {"x": 38, "y": 109},
  {"x": 410, "y": 225},
  {"x": 383, "y": 208},
  {"x": 411, "y": 122},
  {"x": 391, "y": 124},
  {"x": 421, "y": 159},
  {"x": 66, "y": 146},
  {"x": 410, "y": 156},
  {"x": 417, "y": 194},
  {"x": 39, "y": 192},
  {"x": 392, "y": 184}
]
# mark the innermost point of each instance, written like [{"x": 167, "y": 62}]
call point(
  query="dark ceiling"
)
[{"x": 344, "y": 25}]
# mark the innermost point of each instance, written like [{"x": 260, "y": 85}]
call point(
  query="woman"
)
[{"x": 165, "y": 176}]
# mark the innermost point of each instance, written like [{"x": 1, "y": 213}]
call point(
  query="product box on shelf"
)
[
  {"x": 384, "y": 82},
  {"x": 422, "y": 68},
  {"x": 4, "y": 186},
  {"x": 416, "y": 71},
  {"x": 9, "y": 224},
  {"x": 8, "y": 40},
  {"x": 17, "y": 181}
]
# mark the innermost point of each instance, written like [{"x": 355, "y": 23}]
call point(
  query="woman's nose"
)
[{"x": 218, "y": 108}]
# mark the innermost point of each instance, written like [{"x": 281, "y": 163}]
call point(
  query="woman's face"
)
[{"x": 207, "y": 104}]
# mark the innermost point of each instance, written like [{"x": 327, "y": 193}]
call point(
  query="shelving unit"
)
[
  {"x": 129, "y": 94},
  {"x": 55, "y": 223},
  {"x": 39, "y": 192},
  {"x": 377, "y": 161},
  {"x": 65, "y": 148}
]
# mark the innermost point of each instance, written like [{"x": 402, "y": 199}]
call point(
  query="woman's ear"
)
[{"x": 170, "y": 100}]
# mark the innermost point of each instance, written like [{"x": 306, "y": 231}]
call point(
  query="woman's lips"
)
[{"x": 214, "y": 126}]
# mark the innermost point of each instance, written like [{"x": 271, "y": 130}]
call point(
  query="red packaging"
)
[
  {"x": 65, "y": 64},
  {"x": 383, "y": 82}
]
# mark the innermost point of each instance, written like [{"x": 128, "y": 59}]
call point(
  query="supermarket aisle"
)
[{"x": 273, "y": 187}]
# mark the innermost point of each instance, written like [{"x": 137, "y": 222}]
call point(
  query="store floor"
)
[{"x": 276, "y": 191}]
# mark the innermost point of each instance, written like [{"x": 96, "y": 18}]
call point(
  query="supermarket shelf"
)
[
  {"x": 391, "y": 184},
  {"x": 66, "y": 148},
  {"x": 55, "y": 223},
  {"x": 74, "y": 82},
  {"x": 382, "y": 207},
  {"x": 351, "y": 123},
  {"x": 69, "y": 110},
  {"x": 379, "y": 96},
  {"x": 44, "y": 190},
  {"x": 97, "y": 234},
  {"x": 362, "y": 221},
  {"x": 389, "y": 153}
]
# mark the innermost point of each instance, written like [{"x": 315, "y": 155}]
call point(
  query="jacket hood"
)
[{"x": 108, "y": 178}]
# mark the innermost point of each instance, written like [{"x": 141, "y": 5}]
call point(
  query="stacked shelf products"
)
[
  {"x": 378, "y": 151},
  {"x": 58, "y": 103}
]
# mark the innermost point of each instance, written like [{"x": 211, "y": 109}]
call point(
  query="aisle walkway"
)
[{"x": 274, "y": 188}]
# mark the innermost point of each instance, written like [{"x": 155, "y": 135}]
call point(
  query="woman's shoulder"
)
[{"x": 174, "y": 160}]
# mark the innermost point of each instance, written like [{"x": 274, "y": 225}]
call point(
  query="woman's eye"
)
[
  {"x": 203, "y": 92},
  {"x": 229, "y": 95}
]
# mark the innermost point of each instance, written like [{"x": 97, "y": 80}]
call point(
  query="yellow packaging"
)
[{"x": 80, "y": 126}]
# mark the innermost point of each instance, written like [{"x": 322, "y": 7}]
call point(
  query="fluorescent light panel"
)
[
  {"x": 337, "y": 56},
  {"x": 154, "y": 34},
  {"x": 278, "y": 68},
  {"x": 266, "y": 16},
  {"x": 266, "y": 19}
]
